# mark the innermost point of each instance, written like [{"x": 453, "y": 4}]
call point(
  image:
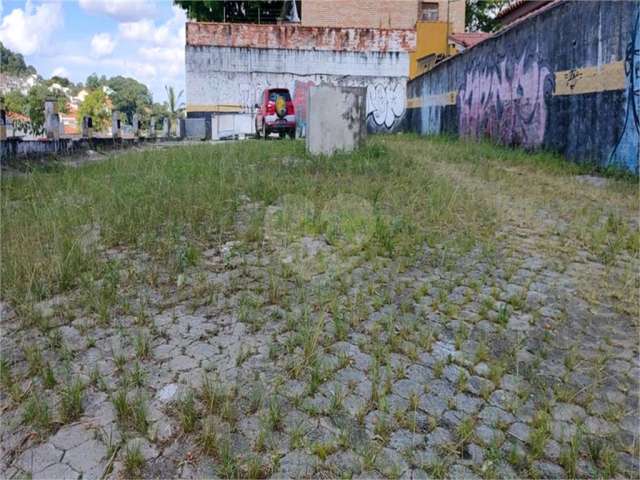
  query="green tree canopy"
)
[
  {"x": 480, "y": 15},
  {"x": 129, "y": 96},
  {"x": 245, "y": 11},
  {"x": 13, "y": 63},
  {"x": 15, "y": 101},
  {"x": 62, "y": 81},
  {"x": 93, "y": 81},
  {"x": 175, "y": 106},
  {"x": 95, "y": 106},
  {"x": 35, "y": 104}
]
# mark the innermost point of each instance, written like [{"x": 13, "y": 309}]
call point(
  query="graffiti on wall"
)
[
  {"x": 386, "y": 104},
  {"x": 626, "y": 153},
  {"x": 506, "y": 100},
  {"x": 300, "y": 93},
  {"x": 386, "y": 97}
]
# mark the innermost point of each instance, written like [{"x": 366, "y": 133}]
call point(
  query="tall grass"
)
[{"x": 163, "y": 201}]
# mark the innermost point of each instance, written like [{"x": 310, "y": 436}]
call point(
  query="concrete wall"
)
[
  {"x": 228, "y": 66},
  {"x": 232, "y": 125},
  {"x": 195, "y": 128},
  {"x": 563, "y": 79},
  {"x": 14, "y": 151}
]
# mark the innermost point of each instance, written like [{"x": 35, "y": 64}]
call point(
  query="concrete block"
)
[
  {"x": 116, "y": 125},
  {"x": 336, "y": 119},
  {"x": 152, "y": 127},
  {"x": 3, "y": 124},
  {"x": 180, "y": 133},
  {"x": 51, "y": 120},
  {"x": 166, "y": 127},
  {"x": 87, "y": 127},
  {"x": 135, "y": 125}
]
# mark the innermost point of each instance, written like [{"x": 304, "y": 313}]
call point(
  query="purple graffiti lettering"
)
[{"x": 505, "y": 102}]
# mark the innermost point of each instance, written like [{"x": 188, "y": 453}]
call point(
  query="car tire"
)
[
  {"x": 292, "y": 134},
  {"x": 265, "y": 132}
]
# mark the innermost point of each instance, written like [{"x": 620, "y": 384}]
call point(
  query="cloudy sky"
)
[{"x": 143, "y": 39}]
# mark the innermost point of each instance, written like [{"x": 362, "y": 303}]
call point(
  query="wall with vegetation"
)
[{"x": 566, "y": 79}]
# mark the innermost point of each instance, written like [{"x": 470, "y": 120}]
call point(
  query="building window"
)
[{"x": 429, "y": 11}]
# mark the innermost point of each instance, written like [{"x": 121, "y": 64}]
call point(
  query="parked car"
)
[{"x": 276, "y": 114}]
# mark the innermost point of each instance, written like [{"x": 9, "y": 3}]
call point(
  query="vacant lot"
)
[{"x": 422, "y": 308}]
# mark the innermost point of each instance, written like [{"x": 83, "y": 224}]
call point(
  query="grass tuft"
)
[{"x": 71, "y": 400}]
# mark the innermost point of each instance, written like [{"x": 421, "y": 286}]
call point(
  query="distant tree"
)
[
  {"x": 62, "y": 81},
  {"x": 174, "y": 105},
  {"x": 13, "y": 63},
  {"x": 95, "y": 106},
  {"x": 480, "y": 15},
  {"x": 93, "y": 81},
  {"x": 249, "y": 11},
  {"x": 35, "y": 105},
  {"x": 129, "y": 96},
  {"x": 15, "y": 101},
  {"x": 159, "y": 110}
]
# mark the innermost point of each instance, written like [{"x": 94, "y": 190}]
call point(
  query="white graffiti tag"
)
[{"x": 385, "y": 104}]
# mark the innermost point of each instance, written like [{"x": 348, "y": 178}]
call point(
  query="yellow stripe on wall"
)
[
  {"x": 214, "y": 108},
  {"x": 590, "y": 79},
  {"x": 439, "y": 100},
  {"x": 578, "y": 81}
]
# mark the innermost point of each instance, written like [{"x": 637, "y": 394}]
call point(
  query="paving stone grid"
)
[{"x": 491, "y": 364}]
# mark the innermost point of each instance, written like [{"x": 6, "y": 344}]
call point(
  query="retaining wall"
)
[
  {"x": 14, "y": 151},
  {"x": 566, "y": 79},
  {"x": 228, "y": 66}
]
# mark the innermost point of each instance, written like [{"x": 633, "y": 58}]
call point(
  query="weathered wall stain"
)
[
  {"x": 291, "y": 36},
  {"x": 566, "y": 79},
  {"x": 505, "y": 100}
]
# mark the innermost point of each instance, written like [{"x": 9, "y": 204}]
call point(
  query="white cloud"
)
[
  {"x": 60, "y": 72},
  {"x": 122, "y": 10},
  {"x": 168, "y": 34},
  {"x": 27, "y": 30},
  {"x": 161, "y": 45},
  {"x": 171, "y": 59},
  {"x": 102, "y": 45},
  {"x": 160, "y": 54},
  {"x": 140, "y": 31}
]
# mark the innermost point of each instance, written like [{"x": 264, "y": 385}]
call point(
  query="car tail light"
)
[
  {"x": 271, "y": 107},
  {"x": 290, "y": 109}
]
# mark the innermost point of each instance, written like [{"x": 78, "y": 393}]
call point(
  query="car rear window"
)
[{"x": 273, "y": 94}]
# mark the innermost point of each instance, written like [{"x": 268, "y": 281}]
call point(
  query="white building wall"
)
[{"x": 227, "y": 78}]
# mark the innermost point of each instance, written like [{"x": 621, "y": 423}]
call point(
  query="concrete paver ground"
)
[{"x": 518, "y": 360}]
